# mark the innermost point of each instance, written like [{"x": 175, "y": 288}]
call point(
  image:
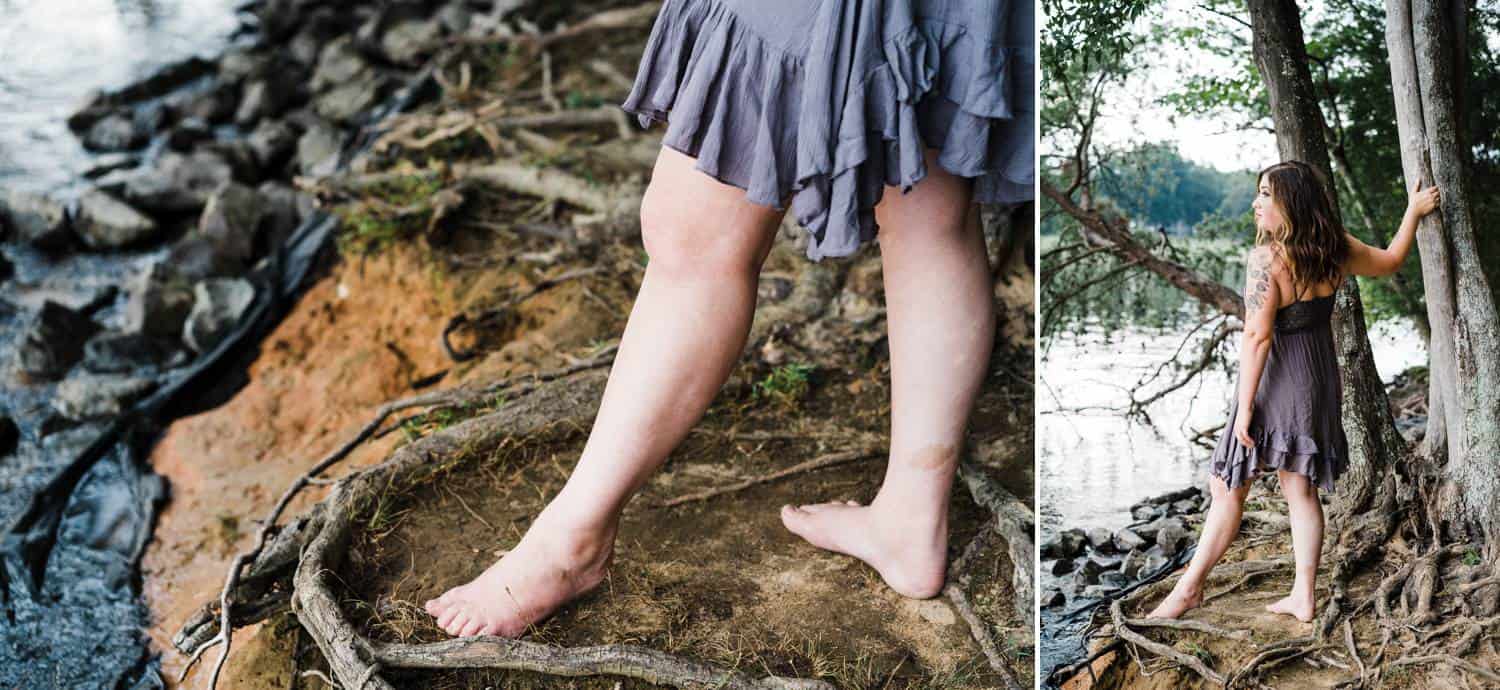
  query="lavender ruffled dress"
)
[
  {"x": 1296, "y": 425},
  {"x": 824, "y": 102}
]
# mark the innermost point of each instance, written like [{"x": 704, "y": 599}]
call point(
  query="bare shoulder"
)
[{"x": 1266, "y": 259}]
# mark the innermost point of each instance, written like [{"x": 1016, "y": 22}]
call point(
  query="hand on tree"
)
[{"x": 1422, "y": 201}]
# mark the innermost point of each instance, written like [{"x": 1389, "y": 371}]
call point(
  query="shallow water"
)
[{"x": 53, "y": 54}]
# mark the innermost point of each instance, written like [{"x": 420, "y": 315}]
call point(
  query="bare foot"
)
[
  {"x": 1177, "y": 603},
  {"x": 1301, "y": 608},
  {"x": 551, "y": 565},
  {"x": 912, "y": 560}
]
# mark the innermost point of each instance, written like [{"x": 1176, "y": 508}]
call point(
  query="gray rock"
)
[
  {"x": 272, "y": 143},
  {"x": 1115, "y": 579},
  {"x": 455, "y": 17},
  {"x": 52, "y": 341},
  {"x": 1173, "y": 538},
  {"x": 189, "y": 132},
  {"x": 116, "y": 132},
  {"x": 1186, "y": 505},
  {"x": 1150, "y": 530},
  {"x": 348, "y": 102},
  {"x": 243, "y": 63},
  {"x": 285, "y": 209},
  {"x": 35, "y": 220},
  {"x": 90, "y": 396},
  {"x": 1155, "y": 560},
  {"x": 1142, "y": 512},
  {"x": 317, "y": 150},
  {"x": 1126, "y": 540},
  {"x": 217, "y": 307},
  {"x": 1131, "y": 564},
  {"x": 178, "y": 183},
  {"x": 406, "y": 41},
  {"x": 215, "y": 105},
  {"x": 231, "y": 220},
  {"x": 1100, "y": 539},
  {"x": 1063, "y": 566},
  {"x": 339, "y": 63},
  {"x": 1068, "y": 544},
  {"x": 263, "y": 98},
  {"x": 104, "y": 222},
  {"x": 1052, "y": 597},
  {"x": 123, "y": 353},
  {"x": 164, "y": 80},
  {"x": 158, "y": 303}
]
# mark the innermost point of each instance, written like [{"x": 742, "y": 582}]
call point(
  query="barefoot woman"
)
[
  {"x": 875, "y": 119},
  {"x": 1286, "y": 416}
]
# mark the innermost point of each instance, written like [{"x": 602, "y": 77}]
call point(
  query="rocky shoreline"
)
[
  {"x": 1098, "y": 563},
  {"x": 123, "y": 285}
]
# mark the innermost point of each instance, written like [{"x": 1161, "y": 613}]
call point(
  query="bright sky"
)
[{"x": 1135, "y": 117}]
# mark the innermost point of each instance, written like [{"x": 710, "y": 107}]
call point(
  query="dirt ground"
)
[
  {"x": 1234, "y": 605},
  {"x": 717, "y": 580}
]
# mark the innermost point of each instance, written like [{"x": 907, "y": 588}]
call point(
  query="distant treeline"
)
[{"x": 1155, "y": 187}]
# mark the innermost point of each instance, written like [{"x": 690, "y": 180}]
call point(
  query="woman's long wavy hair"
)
[{"x": 1310, "y": 239}]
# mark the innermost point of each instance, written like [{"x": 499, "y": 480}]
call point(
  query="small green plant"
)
[
  {"x": 578, "y": 99},
  {"x": 786, "y": 384},
  {"x": 1200, "y": 651},
  {"x": 1471, "y": 557}
]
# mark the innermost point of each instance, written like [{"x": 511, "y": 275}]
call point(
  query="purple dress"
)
[
  {"x": 824, "y": 102},
  {"x": 1297, "y": 423}
]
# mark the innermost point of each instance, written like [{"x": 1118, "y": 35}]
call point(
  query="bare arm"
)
[
  {"x": 1262, "y": 297},
  {"x": 1365, "y": 260}
]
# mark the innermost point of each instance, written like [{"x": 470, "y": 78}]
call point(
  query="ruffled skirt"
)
[
  {"x": 825, "y": 103},
  {"x": 1297, "y": 424}
]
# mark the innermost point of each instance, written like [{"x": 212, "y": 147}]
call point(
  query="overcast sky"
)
[{"x": 1134, "y": 116}]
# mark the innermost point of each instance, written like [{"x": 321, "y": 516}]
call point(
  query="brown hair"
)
[{"x": 1310, "y": 239}]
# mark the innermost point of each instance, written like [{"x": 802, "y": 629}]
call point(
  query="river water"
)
[
  {"x": 1096, "y": 462},
  {"x": 81, "y": 627},
  {"x": 54, "y": 52}
]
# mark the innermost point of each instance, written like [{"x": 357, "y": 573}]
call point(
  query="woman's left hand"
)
[{"x": 1242, "y": 430}]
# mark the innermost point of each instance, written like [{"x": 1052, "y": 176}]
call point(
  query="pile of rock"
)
[
  {"x": 199, "y": 155},
  {"x": 1096, "y": 563}
]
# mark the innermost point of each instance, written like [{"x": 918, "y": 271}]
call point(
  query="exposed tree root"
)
[{"x": 823, "y": 461}]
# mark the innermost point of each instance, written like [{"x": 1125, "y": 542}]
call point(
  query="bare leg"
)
[
  {"x": 942, "y": 328},
  {"x": 1219, "y": 530},
  {"x": 1307, "y": 544},
  {"x": 706, "y": 245}
]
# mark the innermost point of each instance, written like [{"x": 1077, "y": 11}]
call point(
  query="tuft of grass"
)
[
  {"x": 1471, "y": 557},
  {"x": 1199, "y": 651},
  {"x": 786, "y": 384}
]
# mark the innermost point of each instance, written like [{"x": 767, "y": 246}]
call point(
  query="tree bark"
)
[
  {"x": 1374, "y": 444},
  {"x": 1425, "y": 41}
]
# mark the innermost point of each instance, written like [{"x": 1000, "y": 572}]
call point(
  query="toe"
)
[
  {"x": 471, "y": 629},
  {"x": 456, "y": 626},
  {"x": 445, "y": 621}
]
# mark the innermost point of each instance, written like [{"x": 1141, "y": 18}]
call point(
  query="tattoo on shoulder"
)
[{"x": 1257, "y": 282}]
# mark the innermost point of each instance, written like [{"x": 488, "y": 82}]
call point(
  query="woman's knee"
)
[
  {"x": 1223, "y": 495},
  {"x": 701, "y": 225},
  {"x": 1296, "y": 487}
]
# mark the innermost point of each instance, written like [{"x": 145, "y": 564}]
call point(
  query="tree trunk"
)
[
  {"x": 1425, "y": 43},
  {"x": 1374, "y": 444}
]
